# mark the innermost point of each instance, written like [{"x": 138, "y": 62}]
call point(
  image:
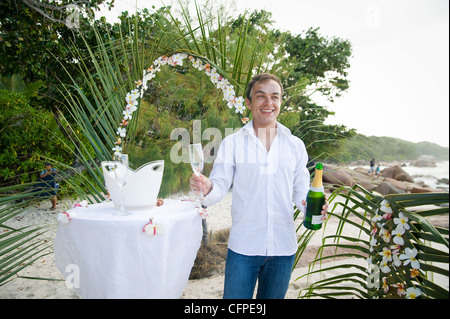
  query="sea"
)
[{"x": 428, "y": 175}]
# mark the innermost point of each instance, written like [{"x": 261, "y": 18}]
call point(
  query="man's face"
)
[
  {"x": 265, "y": 103},
  {"x": 48, "y": 167}
]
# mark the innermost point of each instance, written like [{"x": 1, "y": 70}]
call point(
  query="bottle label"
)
[
  {"x": 317, "y": 189},
  {"x": 316, "y": 219}
]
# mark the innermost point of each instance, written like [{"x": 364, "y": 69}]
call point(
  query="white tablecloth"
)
[{"x": 116, "y": 259}]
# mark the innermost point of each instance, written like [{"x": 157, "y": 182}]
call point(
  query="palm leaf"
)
[{"x": 358, "y": 210}]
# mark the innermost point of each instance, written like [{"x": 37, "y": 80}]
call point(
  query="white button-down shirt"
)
[{"x": 265, "y": 186}]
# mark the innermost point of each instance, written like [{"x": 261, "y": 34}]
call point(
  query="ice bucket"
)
[{"x": 142, "y": 185}]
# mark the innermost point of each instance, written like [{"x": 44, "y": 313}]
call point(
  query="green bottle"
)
[{"x": 314, "y": 201}]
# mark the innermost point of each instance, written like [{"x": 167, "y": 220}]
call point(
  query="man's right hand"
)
[{"x": 200, "y": 184}]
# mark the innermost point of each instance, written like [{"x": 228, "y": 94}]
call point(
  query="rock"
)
[
  {"x": 337, "y": 176},
  {"x": 362, "y": 178},
  {"x": 424, "y": 161},
  {"x": 397, "y": 173},
  {"x": 410, "y": 186},
  {"x": 443, "y": 181},
  {"x": 387, "y": 188},
  {"x": 396, "y": 183},
  {"x": 420, "y": 190},
  {"x": 426, "y": 190}
]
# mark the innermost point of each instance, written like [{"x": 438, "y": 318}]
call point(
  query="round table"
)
[{"x": 102, "y": 255}]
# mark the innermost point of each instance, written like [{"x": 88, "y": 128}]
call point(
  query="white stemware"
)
[
  {"x": 197, "y": 161},
  {"x": 121, "y": 172}
]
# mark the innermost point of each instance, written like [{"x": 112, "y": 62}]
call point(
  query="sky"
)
[{"x": 399, "y": 73}]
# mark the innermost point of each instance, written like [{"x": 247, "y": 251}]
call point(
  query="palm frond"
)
[{"x": 382, "y": 277}]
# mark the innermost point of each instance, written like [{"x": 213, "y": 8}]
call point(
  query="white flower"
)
[
  {"x": 229, "y": 92},
  {"x": 134, "y": 94},
  {"x": 198, "y": 65},
  {"x": 384, "y": 266},
  {"x": 148, "y": 77},
  {"x": 152, "y": 228},
  {"x": 386, "y": 253},
  {"x": 122, "y": 131},
  {"x": 220, "y": 85},
  {"x": 203, "y": 212},
  {"x": 83, "y": 203},
  {"x": 214, "y": 77},
  {"x": 386, "y": 235},
  {"x": 162, "y": 60},
  {"x": 117, "y": 150},
  {"x": 130, "y": 98},
  {"x": 377, "y": 217},
  {"x": 410, "y": 257},
  {"x": 370, "y": 263},
  {"x": 373, "y": 242},
  {"x": 127, "y": 115},
  {"x": 396, "y": 261},
  {"x": 63, "y": 218},
  {"x": 385, "y": 207},
  {"x": 240, "y": 100},
  {"x": 131, "y": 107},
  {"x": 239, "y": 104},
  {"x": 226, "y": 82},
  {"x": 240, "y": 108},
  {"x": 413, "y": 293},
  {"x": 231, "y": 103},
  {"x": 401, "y": 222},
  {"x": 397, "y": 234}
]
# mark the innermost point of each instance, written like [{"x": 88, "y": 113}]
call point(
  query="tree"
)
[{"x": 308, "y": 65}]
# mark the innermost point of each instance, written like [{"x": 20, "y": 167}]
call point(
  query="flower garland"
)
[
  {"x": 392, "y": 255},
  {"x": 65, "y": 217},
  {"x": 202, "y": 211},
  {"x": 152, "y": 229},
  {"x": 132, "y": 97}
]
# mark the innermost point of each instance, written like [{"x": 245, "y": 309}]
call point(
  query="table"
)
[{"x": 113, "y": 257}]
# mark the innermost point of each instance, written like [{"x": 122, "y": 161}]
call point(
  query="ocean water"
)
[{"x": 428, "y": 175}]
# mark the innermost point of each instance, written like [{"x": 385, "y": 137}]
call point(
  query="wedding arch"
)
[{"x": 131, "y": 98}]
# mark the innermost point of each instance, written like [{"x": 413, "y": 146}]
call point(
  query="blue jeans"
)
[{"x": 272, "y": 272}]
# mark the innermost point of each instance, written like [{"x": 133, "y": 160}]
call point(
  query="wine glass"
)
[
  {"x": 121, "y": 172},
  {"x": 196, "y": 159}
]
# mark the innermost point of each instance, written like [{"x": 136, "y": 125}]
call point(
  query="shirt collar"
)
[{"x": 248, "y": 128}]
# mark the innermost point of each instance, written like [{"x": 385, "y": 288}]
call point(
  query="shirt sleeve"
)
[
  {"x": 222, "y": 173},
  {"x": 301, "y": 177}
]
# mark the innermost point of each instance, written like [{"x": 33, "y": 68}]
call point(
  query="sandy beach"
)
[{"x": 206, "y": 288}]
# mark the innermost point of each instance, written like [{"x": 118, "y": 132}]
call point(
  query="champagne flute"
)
[
  {"x": 121, "y": 172},
  {"x": 196, "y": 159}
]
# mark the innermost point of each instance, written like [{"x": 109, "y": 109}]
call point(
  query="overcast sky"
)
[{"x": 399, "y": 74}]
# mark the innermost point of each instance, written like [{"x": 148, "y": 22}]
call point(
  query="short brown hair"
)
[{"x": 261, "y": 78}]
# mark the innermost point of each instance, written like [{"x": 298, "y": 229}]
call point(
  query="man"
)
[
  {"x": 372, "y": 166},
  {"x": 49, "y": 183},
  {"x": 266, "y": 165}
]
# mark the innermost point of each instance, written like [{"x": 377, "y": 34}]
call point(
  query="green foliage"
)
[
  {"x": 28, "y": 135},
  {"x": 386, "y": 149},
  {"x": 309, "y": 65},
  {"x": 19, "y": 247},
  {"x": 88, "y": 72}
]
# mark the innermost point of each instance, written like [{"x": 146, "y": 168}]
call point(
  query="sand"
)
[{"x": 207, "y": 288}]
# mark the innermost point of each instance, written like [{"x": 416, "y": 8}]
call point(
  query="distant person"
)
[
  {"x": 372, "y": 166},
  {"x": 49, "y": 185},
  {"x": 377, "y": 172}
]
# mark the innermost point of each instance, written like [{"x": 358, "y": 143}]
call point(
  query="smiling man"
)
[{"x": 266, "y": 165}]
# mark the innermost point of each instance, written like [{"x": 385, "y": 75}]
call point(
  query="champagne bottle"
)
[{"x": 314, "y": 201}]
